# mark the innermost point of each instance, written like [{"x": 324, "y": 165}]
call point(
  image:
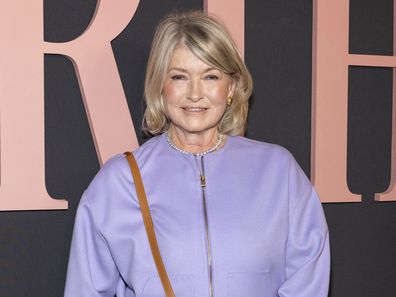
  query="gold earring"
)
[{"x": 229, "y": 100}]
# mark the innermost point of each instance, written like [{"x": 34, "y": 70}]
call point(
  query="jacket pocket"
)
[
  {"x": 182, "y": 284},
  {"x": 252, "y": 284}
]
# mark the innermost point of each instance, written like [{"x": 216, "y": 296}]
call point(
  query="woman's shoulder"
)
[
  {"x": 112, "y": 174},
  {"x": 115, "y": 170},
  {"x": 277, "y": 159},
  {"x": 118, "y": 163},
  {"x": 149, "y": 145},
  {"x": 259, "y": 149}
]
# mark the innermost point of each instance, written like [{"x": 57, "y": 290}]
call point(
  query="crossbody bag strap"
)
[{"x": 148, "y": 223}]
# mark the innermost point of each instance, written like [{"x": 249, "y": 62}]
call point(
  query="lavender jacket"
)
[{"x": 256, "y": 230}]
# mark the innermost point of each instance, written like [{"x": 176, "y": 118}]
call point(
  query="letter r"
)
[{"x": 22, "y": 95}]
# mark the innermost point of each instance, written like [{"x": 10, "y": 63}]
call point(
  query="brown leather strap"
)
[{"x": 148, "y": 223}]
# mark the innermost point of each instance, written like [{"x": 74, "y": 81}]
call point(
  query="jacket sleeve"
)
[
  {"x": 307, "y": 248},
  {"x": 91, "y": 269}
]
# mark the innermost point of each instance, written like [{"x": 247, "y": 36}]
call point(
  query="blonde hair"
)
[{"x": 209, "y": 40}]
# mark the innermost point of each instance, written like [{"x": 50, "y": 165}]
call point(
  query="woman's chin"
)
[{"x": 195, "y": 129}]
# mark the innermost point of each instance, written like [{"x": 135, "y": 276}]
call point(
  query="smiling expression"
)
[{"x": 194, "y": 93}]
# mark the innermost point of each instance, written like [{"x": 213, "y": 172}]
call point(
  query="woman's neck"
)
[{"x": 193, "y": 142}]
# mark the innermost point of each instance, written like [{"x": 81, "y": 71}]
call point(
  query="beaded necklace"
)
[{"x": 215, "y": 147}]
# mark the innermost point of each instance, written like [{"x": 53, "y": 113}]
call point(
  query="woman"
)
[{"x": 233, "y": 216}]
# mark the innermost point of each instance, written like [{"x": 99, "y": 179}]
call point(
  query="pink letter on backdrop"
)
[
  {"x": 233, "y": 15},
  {"x": 22, "y": 95},
  {"x": 105, "y": 102},
  {"x": 330, "y": 101}
]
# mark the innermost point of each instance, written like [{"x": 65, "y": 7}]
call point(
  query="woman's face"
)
[{"x": 195, "y": 94}]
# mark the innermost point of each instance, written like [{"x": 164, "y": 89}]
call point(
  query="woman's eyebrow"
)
[
  {"x": 177, "y": 69},
  {"x": 185, "y": 71}
]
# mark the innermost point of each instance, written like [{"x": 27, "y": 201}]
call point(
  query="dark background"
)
[{"x": 34, "y": 245}]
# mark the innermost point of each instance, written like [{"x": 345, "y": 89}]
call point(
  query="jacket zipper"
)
[{"x": 209, "y": 255}]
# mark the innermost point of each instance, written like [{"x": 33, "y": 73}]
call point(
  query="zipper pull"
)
[{"x": 203, "y": 182}]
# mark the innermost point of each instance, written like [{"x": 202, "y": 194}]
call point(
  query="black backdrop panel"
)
[{"x": 34, "y": 245}]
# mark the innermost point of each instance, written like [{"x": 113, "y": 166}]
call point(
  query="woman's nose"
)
[{"x": 195, "y": 90}]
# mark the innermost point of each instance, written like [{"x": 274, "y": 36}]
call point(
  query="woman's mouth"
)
[{"x": 195, "y": 109}]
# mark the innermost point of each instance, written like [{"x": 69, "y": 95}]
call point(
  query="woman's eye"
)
[
  {"x": 178, "y": 77},
  {"x": 212, "y": 77}
]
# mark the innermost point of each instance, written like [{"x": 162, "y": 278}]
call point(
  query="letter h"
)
[{"x": 330, "y": 101}]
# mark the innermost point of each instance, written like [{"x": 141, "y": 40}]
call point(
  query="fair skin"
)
[{"x": 195, "y": 98}]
